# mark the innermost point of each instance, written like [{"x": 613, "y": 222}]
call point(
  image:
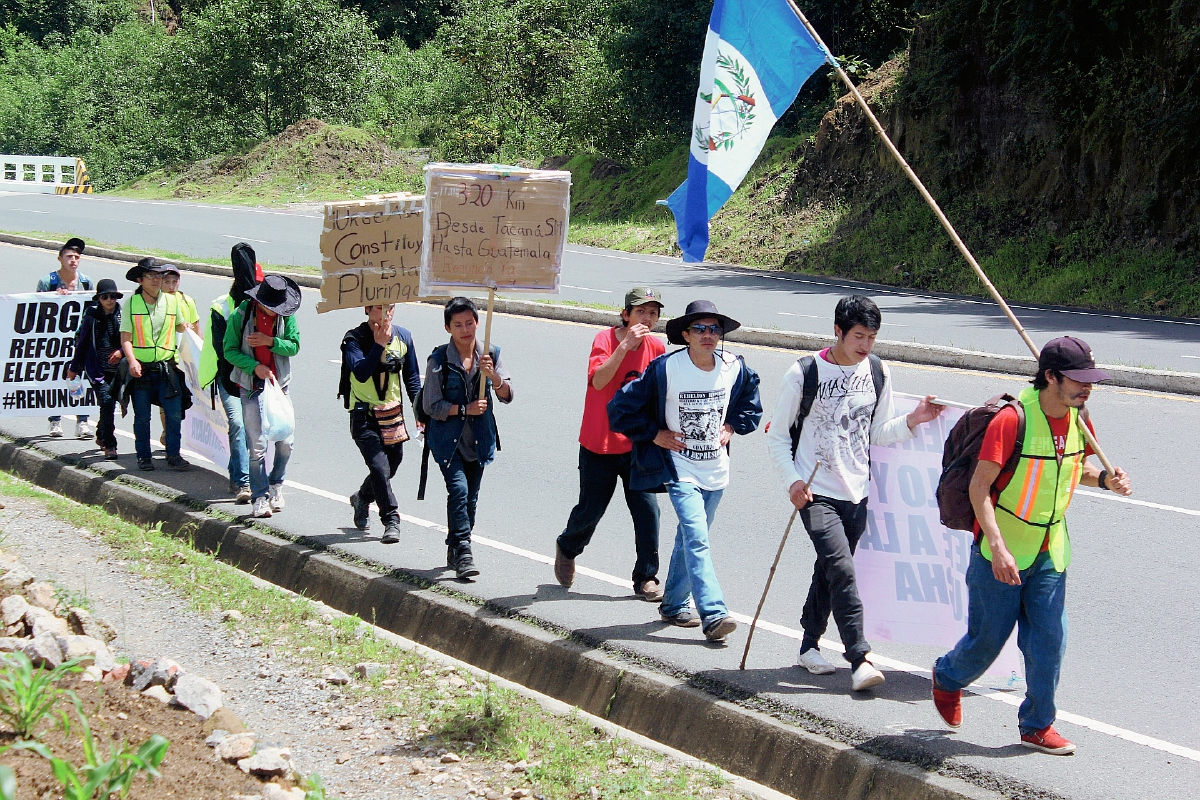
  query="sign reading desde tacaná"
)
[
  {"x": 371, "y": 252},
  {"x": 493, "y": 226}
]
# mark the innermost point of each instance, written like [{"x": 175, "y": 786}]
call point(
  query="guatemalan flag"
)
[{"x": 757, "y": 55}]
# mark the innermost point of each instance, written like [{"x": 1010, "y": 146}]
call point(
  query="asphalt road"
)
[
  {"x": 788, "y": 302},
  {"x": 1134, "y": 596}
]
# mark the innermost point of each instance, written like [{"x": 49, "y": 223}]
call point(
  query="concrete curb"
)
[
  {"x": 668, "y": 710},
  {"x": 907, "y": 352}
]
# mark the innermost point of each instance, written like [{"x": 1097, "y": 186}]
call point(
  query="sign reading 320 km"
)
[{"x": 493, "y": 226}]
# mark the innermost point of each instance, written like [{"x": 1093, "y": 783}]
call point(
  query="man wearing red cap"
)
[{"x": 1017, "y": 575}]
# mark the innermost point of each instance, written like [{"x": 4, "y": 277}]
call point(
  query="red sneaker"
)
[
  {"x": 1049, "y": 741},
  {"x": 948, "y": 704}
]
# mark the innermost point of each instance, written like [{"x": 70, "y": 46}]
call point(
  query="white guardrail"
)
[{"x": 44, "y": 174}]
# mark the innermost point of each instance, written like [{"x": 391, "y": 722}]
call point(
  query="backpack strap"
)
[
  {"x": 808, "y": 368},
  {"x": 439, "y": 356},
  {"x": 1010, "y": 465},
  {"x": 876, "y": 364}
]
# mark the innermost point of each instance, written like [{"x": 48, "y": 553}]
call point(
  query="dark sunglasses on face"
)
[
  {"x": 107, "y": 296},
  {"x": 715, "y": 330}
]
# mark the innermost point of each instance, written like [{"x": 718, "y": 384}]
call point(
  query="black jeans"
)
[
  {"x": 598, "y": 474},
  {"x": 106, "y": 428},
  {"x": 835, "y": 526},
  {"x": 463, "y": 478},
  {"x": 382, "y": 461}
]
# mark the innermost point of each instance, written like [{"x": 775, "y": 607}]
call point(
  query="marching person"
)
[
  {"x": 216, "y": 371},
  {"x": 187, "y": 313},
  {"x": 832, "y": 408},
  {"x": 97, "y": 353},
  {"x": 261, "y": 338},
  {"x": 379, "y": 363},
  {"x": 68, "y": 278},
  {"x": 619, "y": 355},
  {"x": 1017, "y": 575},
  {"x": 680, "y": 415},
  {"x": 461, "y": 432},
  {"x": 149, "y": 327}
]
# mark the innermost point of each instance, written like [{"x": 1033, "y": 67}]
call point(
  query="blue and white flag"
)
[{"x": 757, "y": 55}]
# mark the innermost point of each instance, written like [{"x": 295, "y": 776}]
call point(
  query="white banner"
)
[
  {"x": 912, "y": 569},
  {"x": 205, "y": 428},
  {"x": 37, "y": 338}
]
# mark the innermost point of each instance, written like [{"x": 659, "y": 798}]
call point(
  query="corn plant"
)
[
  {"x": 27, "y": 695},
  {"x": 313, "y": 786},
  {"x": 8, "y": 783},
  {"x": 101, "y": 779}
]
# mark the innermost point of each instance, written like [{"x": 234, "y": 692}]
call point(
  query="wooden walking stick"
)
[
  {"x": 937, "y": 210},
  {"x": 487, "y": 339},
  {"x": 771, "y": 575}
]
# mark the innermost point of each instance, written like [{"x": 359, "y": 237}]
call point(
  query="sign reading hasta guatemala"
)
[{"x": 757, "y": 55}]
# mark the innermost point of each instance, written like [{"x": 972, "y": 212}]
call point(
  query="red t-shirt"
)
[
  {"x": 1001, "y": 437},
  {"x": 264, "y": 323},
  {"x": 594, "y": 433}
]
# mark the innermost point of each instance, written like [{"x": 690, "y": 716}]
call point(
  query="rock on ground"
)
[
  {"x": 268, "y": 762},
  {"x": 198, "y": 695},
  {"x": 235, "y": 747}
]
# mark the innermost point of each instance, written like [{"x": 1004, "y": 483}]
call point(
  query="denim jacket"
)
[
  {"x": 639, "y": 410},
  {"x": 443, "y": 436}
]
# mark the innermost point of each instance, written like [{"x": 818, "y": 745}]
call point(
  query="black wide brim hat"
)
[
  {"x": 107, "y": 286},
  {"x": 147, "y": 264},
  {"x": 277, "y": 293},
  {"x": 698, "y": 309}
]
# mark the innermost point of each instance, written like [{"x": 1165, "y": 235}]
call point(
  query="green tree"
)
[
  {"x": 260, "y": 65},
  {"x": 414, "y": 21}
]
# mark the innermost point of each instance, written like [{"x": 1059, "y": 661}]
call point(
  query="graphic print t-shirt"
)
[{"x": 696, "y": 404}]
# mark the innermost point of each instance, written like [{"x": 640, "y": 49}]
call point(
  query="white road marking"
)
[
  {"x": 1189, "y": 356},
  {"x": 586, "y": 288},
  {"x": 1116, "y": 498},
  {"x": 171, "y": 204},
  {"x": 790, "y": 633},
  {"x": 244, "y": 238},
  {"x": 790, "y": 314},
  {"x": 27, "y": 211}
]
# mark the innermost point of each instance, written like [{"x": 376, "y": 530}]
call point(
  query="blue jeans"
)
[
  {"x": 598, "y": 475},
  {"x": 256, "y": 445},
  {"x": 463, "y": 478},
  {"x": 691, "y": 573},
  {"x": 239, "y": 456},
  {"x": 151, "y": 389},
  {"x": 1038, "y": 608}
]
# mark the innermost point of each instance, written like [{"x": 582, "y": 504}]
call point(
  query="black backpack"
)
[
  {"x": 808, "y": 367},
  {"x": 960, "y": 455}
]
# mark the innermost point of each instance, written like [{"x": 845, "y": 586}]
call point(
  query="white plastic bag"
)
[{"x": 278, "y": 418}]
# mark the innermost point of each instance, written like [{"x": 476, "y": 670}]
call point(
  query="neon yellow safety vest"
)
[
  {"x": 150, "y": 345},
  {"x": 1033, "y": 506},
  {"x": 367, "y": 391},
  {"x": 223, "y": 305}
]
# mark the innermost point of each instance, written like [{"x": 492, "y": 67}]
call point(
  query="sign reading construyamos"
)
[
  {"x": 371, "y": 252},
  {"x": 37, "y": 338},
  {"x": 493, "y": 226}
]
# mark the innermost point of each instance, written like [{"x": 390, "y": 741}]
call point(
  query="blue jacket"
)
[
  {"x": 442, "y": 437},
  {"x": 639, "y": 410},
  {"x": 93, "y": 345}
]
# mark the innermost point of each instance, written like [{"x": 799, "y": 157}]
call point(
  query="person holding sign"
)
[
  {"x": 261, "y": 338},
  {"x": 461, "y": 432},
  {"x": 680, "y": 415},
  {"x": 97, "y": 353},
  {"x": 68, "y": 278},
  {"x": 832, "y": 407},
  {"x": 149, "y": 326},
  {"x": 379, "y": 362},
  {"x": 619, "y": 355},
  {"x": 1017, "y": 575}
]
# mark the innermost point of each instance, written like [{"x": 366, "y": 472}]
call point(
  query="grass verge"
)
[{"x": 567, "y": 757}]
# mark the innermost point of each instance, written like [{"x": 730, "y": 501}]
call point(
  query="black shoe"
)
[
  {"x": 391, "y": 533},
  {"x": 178, "y": 464},
  {"x": 362, "y": 513},
  {"x": 145, "y": 465},
  {"x": 451, "y": 557},
  {"x": 465, "y": 568}
]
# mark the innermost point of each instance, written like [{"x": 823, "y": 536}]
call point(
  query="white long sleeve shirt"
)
[{"x": 838, "y": 430}]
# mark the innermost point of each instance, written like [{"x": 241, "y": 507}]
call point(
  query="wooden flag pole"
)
[
  {"x": 487, "y": 339},
  {"x": 771, "y": 574},
  {"x": 937, "y": 210}
]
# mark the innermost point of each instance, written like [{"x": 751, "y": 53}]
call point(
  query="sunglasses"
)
[
  {"x": 107, "y": 296},
  {"x": 715, "y": 330}
]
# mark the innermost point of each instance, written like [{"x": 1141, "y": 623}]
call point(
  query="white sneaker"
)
[
  {"x": 262, "y": 508},
  {"x": 276, "y": 491},
  {"x": 814, "y": 662},
  {"x": 55, "y": 428},
  {"x": 865, "y": 677},
  {"x": 83, "y": 430}
]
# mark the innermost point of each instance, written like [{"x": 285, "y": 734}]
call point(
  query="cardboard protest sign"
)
[
  {"x": 371, "y": 252},
  {"x": 912, "y": 570},
  {"x": 37, "y": 338},
  {"x": 493, "y": 227}
]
